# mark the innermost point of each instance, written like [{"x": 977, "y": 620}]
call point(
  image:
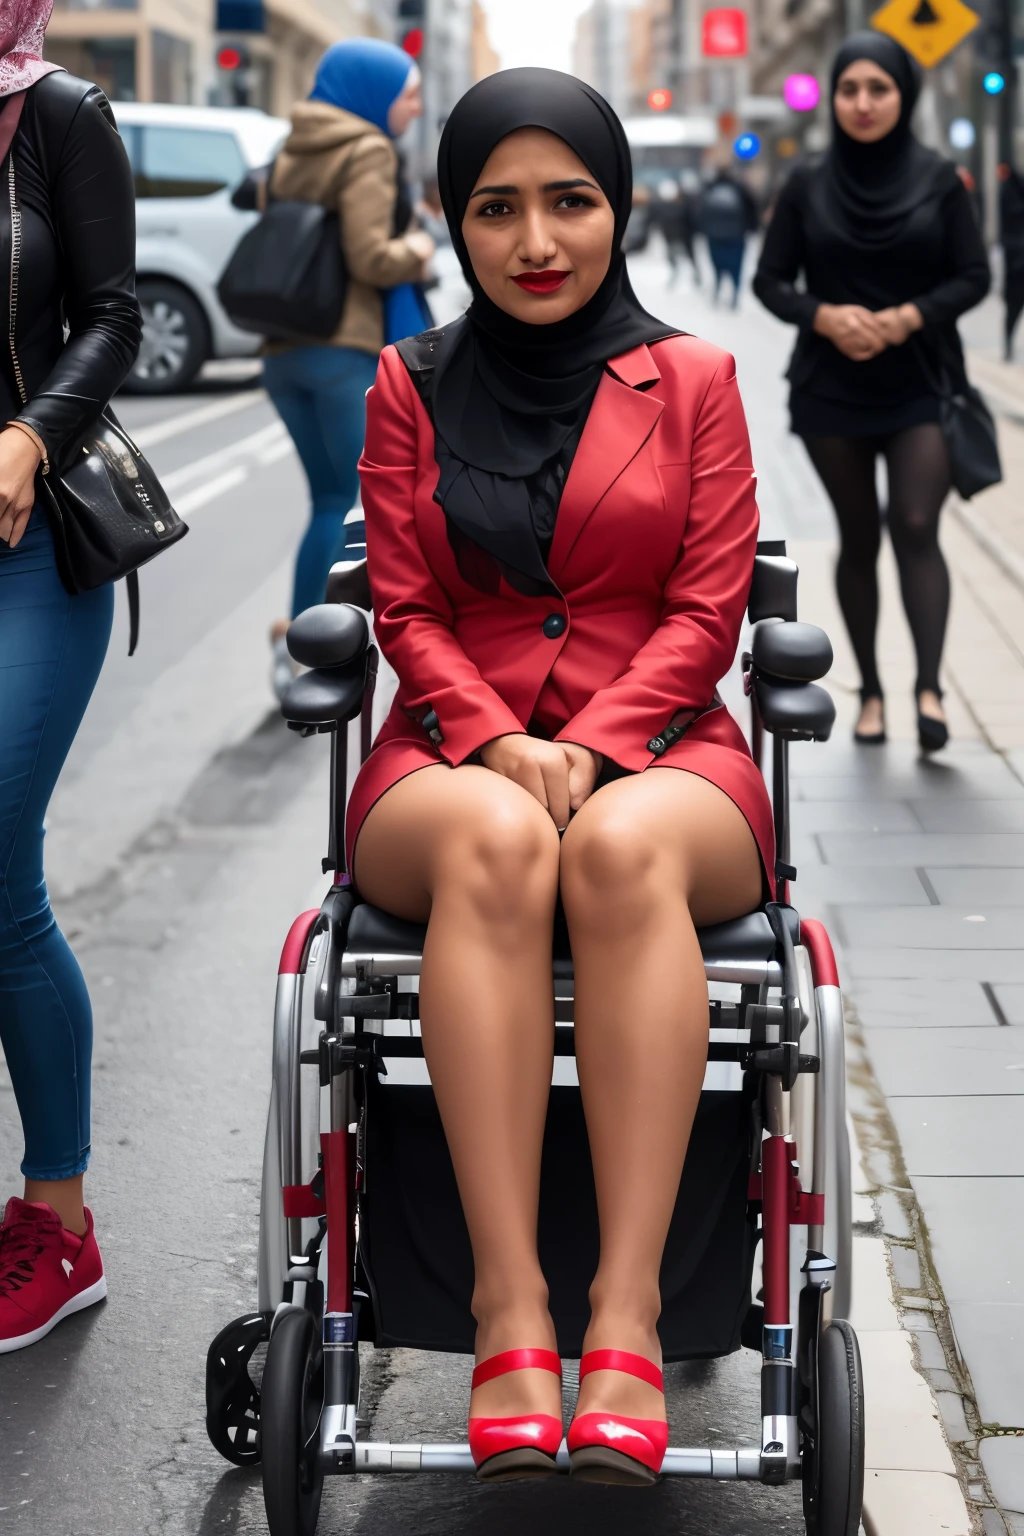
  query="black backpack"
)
[{"x": 287, "y": 276}]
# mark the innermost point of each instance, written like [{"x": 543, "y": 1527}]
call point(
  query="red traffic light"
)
[
  {"x": 412, "y": 42},
  {"x": 229, "y": 58},
  {"x": 659, "y": 100}
]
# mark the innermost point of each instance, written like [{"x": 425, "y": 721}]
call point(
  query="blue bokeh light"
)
[
  {"x": 994, "y": 82},
  {"x": 747, "y": 146}
]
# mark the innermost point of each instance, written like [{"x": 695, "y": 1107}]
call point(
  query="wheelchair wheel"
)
[
  {"x": 833, "y": 1485},
  {"x": 291, "y": 1401}
]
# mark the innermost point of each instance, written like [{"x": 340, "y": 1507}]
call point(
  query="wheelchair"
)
[{"x": 362, "y": 1239}]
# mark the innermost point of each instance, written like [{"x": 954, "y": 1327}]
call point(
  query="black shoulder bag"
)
[
  {"x": 107, "y": 510},
  {"x": 287, "y": 277},
  {"x": 965, "y": 419}
]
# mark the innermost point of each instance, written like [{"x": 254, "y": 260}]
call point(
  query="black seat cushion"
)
[{"x": 373, "y": 932}]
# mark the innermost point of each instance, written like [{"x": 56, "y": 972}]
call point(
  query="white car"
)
[{"x": 187, "y": 161}]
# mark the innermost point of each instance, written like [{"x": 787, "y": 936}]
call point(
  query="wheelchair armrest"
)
[
  {"x": 793, "y": 653},
  {"x": 349, "y": 582},
  {"x": 328, "y": 635},
  {"x": 329, "y": 696},
  {"x": 772, "y": 588},
  {"x": 797, "y": 711}
]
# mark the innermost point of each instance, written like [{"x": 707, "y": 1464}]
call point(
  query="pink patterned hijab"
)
[{"x": 22, "y": 24}]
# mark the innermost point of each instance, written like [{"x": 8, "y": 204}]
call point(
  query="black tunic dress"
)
[{"x": 938, "y": 263}]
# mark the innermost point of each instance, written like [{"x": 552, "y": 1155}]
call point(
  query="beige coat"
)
[{"x": 340, "y": 160}]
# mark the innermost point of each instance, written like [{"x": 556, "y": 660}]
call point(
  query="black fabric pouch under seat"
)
[{"x": 415, "y": 1253}]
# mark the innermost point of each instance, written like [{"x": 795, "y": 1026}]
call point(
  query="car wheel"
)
[{"x": 175, "y": 340}]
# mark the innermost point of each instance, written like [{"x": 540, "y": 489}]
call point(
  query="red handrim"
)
[
  {"x": 295, "y": 944},
  {"x": 814, "y": 936}
]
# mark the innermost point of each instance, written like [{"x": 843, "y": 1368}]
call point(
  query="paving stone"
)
[
  {"x": 951, "y": 1410},
  {"x": 933, "y": 1357},
  {"x": 976, "y": 1236},
  {"x": 1010, "y": 997},
  {"x": 915, "y": 1503},
  {"x": 919, "y": 1061},
  {"x": 906, "y": 1267},
  {"x": 820, "y": 885},
  {"x": 945, "y": 928},
  {"x": 940, "y": 1380},
  {"x": 895, "y": 1222},
  {"x": 925, "y": 849},
  {"x": 967, "y": 815},
  {"x": 973, "y": 1136},
  {"x": 863, "y": 816},
  {"x": 990, "y": 1339},
  {"x": 991, "y": 965},
  {"x": 901, "y": 1419},
  {"x": 923, "y": 1001},
  {"x": 1003, "y": 1460},
  {"x": 974, "y": 888}
]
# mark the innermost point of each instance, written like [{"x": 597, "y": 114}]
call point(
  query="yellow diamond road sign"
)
[{"x": 928, "y": 29}]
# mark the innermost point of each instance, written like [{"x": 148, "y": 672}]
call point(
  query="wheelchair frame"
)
[{"x": 348, "y": 1011}]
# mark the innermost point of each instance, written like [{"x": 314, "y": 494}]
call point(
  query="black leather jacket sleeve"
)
[{"x": 78, "y": 152}]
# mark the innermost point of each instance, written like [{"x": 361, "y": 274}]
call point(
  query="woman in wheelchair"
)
[{"x": 561, "y": 529}]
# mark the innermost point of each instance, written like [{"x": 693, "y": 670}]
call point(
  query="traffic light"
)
[{"x": 412, "y": 16}]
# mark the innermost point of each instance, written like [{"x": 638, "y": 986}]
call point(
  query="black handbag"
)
[
  {"x": 286, "y": 277},
  {"x": 107, "y": 510},
  {"x": 964, "y": 418}
]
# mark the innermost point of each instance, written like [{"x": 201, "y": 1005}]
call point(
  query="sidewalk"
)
[{"x": 917, "y": 868}]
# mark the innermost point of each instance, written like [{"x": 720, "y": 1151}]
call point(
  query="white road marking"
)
[
  {"x": 193, "y": 500},
  {"x": 270, "y": 435},
  {"x": 160, "y": 431},
  {"x": 276, "y": 450}
]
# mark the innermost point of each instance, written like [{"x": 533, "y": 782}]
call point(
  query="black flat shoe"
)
[{"x": 931, "y": 734}]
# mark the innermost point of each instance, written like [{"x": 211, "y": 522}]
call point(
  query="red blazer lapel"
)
[{"x": 621, "y": 420}]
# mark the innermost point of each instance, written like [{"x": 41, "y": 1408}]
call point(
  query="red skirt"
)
[{"x": 714, "y": 748}]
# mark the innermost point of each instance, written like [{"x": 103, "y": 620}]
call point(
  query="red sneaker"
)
[{"x": 46, "y": 1273}]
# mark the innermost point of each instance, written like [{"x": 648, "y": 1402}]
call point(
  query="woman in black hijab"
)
[
  {"x": 561, "y": 527},
  {"x": 884, "y": 235}
]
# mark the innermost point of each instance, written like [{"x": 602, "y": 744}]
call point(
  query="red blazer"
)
[{"x": 653, "y": 553}]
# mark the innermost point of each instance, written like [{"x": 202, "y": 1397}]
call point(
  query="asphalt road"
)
[{"x": 101, "y": 1424}]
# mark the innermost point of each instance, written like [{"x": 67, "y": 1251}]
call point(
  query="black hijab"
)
[
  {"x": 509, "y": 400},
  {"x": 869, "y": 191}
]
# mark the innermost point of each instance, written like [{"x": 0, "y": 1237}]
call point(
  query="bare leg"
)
[
  {"x": 479, "y": 857},
  {"x": 63, "y": 1196},
  {"x": 645, "y": 860}
]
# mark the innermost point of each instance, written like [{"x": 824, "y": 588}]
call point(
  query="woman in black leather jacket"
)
[{"x": 77, "y": 270}]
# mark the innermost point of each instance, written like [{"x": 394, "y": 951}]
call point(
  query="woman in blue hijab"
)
[{"x": 340, "y": 152}]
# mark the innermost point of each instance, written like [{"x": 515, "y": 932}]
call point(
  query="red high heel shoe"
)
[
  {"x": 525, "y": 1446},
  {"x": 608, "y": 1448}
]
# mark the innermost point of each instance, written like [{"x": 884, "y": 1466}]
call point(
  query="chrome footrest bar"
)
[{"x": 371, "y": 1456}]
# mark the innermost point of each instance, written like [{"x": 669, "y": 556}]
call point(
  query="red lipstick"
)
[{"x": 548, "y": 281}]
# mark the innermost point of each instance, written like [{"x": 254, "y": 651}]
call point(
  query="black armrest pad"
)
[
  {"x": 799, "y": 711},
  {"x": 349, "y": 583},
  {"x": 796, "y": 653},
  {"x": 328, "y": 635},
  {"x": 328, "y": 697}
]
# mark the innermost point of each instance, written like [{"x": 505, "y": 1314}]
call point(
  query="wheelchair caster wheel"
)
[
  {"x": 291, "y": 1401},
  {"x": 232, "y": 1398},
  {"x": 833, "y": 1478}
]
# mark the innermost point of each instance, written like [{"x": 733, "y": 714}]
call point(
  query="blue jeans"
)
[
  {"x": 51, "y": 650},
  {"x": 320, "y": 395}
]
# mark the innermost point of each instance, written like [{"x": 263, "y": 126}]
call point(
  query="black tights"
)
[{"x": 919, "y": 481}]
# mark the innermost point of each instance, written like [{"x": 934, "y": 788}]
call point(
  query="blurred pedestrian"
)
[
  {"x": 77, "y": 206},
  {"x": 726, "y": 214},
  {"x": 638, "y": 226},
  {"x": 882, "y": 233},
  {"x": 1011, "y": 234},
  {"x": 340, "y": 153},
  {"x": 673, "y": 215}
]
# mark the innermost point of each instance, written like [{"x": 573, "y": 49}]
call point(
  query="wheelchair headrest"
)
[{"x": 328, "y": 635}]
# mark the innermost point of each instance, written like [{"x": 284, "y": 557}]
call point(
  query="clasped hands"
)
[
  {"x": 560, "y": 774},
  {"x": 861, "y": 333}
]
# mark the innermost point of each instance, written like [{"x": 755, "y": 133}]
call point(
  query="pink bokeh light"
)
[{"x": 801, "y": 93}]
